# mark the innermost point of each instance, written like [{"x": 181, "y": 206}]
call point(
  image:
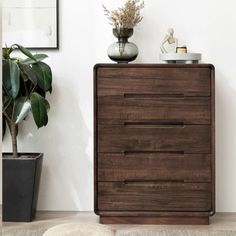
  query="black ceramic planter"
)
[{"x": 21, "y": 177}]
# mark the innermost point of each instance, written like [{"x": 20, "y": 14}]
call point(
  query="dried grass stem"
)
[{"x": 127, "y": 16}]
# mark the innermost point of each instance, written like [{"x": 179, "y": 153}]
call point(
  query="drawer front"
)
[
  {"x": 154, "y": 166},
  {"x": 188, "y": 139},
  {"x": 174, "y": 81},
  {"x": 138, "y": 196},
  {"x": 189, "y": 110}
]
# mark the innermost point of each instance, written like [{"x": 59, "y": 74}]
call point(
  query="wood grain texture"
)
[
  {"x": 189, "y": 139},
  {"x": 189, "y": 110},
  {"x": 155, "y": 220},
  {"x": 141, "y": 80},
  {"x": 154, "y": 141},
  {"x": 154, "y": 166},
  {"x": 151, "y": 196},
  {"x": 153, "y": 213}
]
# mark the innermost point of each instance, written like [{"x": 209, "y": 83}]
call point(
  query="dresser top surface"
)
[{"x": 152, "y": 65}]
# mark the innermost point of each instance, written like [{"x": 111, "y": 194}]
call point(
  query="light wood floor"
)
[{"x": 45, "y": 220}]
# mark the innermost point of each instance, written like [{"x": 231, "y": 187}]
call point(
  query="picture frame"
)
[{"x": 31, "y": 23}]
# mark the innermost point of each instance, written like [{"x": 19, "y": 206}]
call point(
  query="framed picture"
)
[{"x": 30, "y": 23}]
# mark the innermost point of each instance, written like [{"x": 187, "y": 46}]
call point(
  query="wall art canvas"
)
[{"x": 31, "y": 23}]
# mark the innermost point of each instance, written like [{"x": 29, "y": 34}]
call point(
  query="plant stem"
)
[
  {"x": 14, "y": 139},
  {"x": 7, "y": 117},
  {"x": 33, "y": 89}
]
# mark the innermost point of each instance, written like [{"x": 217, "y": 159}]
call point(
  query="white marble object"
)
[
  {"x": 186, "y": 58},
  {"x": 169, "y": 38}
]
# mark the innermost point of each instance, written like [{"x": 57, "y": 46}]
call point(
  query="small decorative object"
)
[
  {"x": 25, "y": 83},
  {"x": 182, "y": 49},
  {"x": 123, "y": 21},
  {"x": 31, "y": 23},
  {"x": 180, "y": 54},
  {"x": 170, "y": 39}
]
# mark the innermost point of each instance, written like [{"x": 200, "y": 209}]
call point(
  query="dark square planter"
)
[{"x": 21, "y": 178}]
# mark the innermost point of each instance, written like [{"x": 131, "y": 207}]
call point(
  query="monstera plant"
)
[{"x": 25, "y": 84}]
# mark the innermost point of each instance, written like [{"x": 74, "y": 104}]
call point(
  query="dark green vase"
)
[{"x": 122, "y": 51}]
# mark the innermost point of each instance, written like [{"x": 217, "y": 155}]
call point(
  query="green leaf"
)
[
  {"x": 28, "y": 73},
  {"x": 11, "y": 77},
  {"x": 44, "y": 75},
  {"x": 6, "y": 53},
  {"x": 40, "y": 91},
  {"x": 39, "y": 110},
  {"x": 46, "y": 104},
  {"x": 6, "y": 102},
  {"x": 25, "y": 51},
  {"x": 18, "y": 104},
  {"x": 38, "y": 57},
  {"x": 21, "y": 109}
]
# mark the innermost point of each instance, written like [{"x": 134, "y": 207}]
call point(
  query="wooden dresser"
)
[{"x": 154, "y": 143}]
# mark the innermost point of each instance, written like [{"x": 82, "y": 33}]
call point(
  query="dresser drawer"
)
[
  {"x": 143, "y": 196},
  {"x": 132, "y": 81},
  {"x": 132, "y": 137},
  {"x": 119, "y": 109},
  {"x": 154, "y": 166}
]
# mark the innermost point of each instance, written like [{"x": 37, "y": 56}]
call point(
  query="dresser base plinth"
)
[{"x": 195, "y": 220}]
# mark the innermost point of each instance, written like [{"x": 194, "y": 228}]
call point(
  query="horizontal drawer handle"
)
[
  {"x": 157, "y": 122},
  {"x": 125, "y": 153},
  {"x": 140, "y": 181},
  {"x": 152, "y": 95},
  {"x": 196, "y": 181}
]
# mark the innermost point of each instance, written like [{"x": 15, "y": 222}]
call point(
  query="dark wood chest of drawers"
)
[{"x": 154, "y": 143}]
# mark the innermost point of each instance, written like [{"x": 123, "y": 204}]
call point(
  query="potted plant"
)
[{"x": 24, "y": 87}]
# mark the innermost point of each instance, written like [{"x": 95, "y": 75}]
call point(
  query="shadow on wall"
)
[
  {"x": 70, "y": 171},
  {"x": 225, "y": 141},
  {"x": 66, "y": 181}
]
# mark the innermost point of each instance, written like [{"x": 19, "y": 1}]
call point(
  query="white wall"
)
[{"x": 207, "y": 26}]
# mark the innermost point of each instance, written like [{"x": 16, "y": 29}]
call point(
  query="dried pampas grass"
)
[{"x": 127, "y": 16}]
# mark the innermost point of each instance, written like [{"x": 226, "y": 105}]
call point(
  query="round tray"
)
[{"x": 181, "y": 57}]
